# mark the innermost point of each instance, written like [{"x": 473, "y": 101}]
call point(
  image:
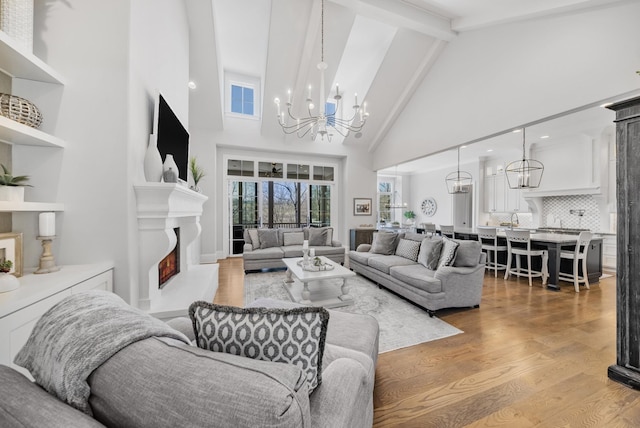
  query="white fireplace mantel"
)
[{"x": 162, "y": 207}]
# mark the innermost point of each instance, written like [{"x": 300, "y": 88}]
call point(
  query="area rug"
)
[{"x": 402, "y": 324}]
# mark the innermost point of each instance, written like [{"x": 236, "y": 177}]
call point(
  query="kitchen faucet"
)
[{"x": 511, "y": 220}]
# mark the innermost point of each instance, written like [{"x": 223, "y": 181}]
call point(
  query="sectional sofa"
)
[
  {"x": 435, "y": 273},
  {"x": 265, "y": 248}
]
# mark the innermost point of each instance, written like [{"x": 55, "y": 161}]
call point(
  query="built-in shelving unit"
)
[{"x": 18, "y": 63}]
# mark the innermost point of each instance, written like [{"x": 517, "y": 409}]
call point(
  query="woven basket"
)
[{"x": 20, "y": 110}]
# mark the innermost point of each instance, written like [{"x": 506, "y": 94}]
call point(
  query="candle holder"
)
[{"x": 47, "y": 262}]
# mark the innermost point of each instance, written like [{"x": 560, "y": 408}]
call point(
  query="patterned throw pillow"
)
[
  {"x": 294, "y": 336},
  {"x": 430, "y": 250},
  {"x": 408, "y": 249},
  {"x": 448, "y": 254},
  {"x": 293, "y": 238}
]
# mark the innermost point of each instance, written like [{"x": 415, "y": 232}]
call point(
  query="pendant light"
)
[
  {"x": 525, "y": 173},
  {"x": 458, "y": 181}
]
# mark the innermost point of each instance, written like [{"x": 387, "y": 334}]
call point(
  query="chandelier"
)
[
  {"x": 458, "y": 181},
  {"x": 525, "y": 173},
  {"x": 323, "y": 122}
]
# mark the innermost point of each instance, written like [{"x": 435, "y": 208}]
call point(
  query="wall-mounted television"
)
[{"x": 171, "y": 136}]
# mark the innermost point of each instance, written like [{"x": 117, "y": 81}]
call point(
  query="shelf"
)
[
  {"x": 8, "y": 206},
  {"x": 12, "y": 132},
  {"x": 19, "y": 63}
]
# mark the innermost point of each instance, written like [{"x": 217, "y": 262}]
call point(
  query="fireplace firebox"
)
[{"x": 170, "y": 265}]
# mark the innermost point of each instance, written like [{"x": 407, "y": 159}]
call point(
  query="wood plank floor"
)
[{"x": 528, "y": 357}]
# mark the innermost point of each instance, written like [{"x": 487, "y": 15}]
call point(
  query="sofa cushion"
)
[
  {"x": 282, "y": 231},
  {"x": 292, "y": 251},
  {"x": 361, "y": 257},
  {"x": 417, "y": 276},
  {"x": 414, "y": 236},
  {"x": 468, "y": 253},
  {"x": 162, "y": 384},
  {"x": 262, "y": 254},
  {"x": 293, "y": 238},
  {"x": 293, "y": 336},
  {"x": 251, "y": 237},
  {"x": 383, "y": 263},
  {"x": 384, "y": 243},
  {"x": 328, "y": 251},
  {"x": 408, "y": 249},
  {"x": 429, "y": 255},
  {"x": 268, "y": 238},
  {"x": 448, "y": 254}
]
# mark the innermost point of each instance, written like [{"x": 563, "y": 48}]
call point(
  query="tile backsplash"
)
[{"x": 556, "y": 212}]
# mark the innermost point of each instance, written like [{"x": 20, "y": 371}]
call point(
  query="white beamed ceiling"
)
[{"x": 396, "y": 44}]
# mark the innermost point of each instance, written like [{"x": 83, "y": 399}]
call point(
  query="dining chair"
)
[
  {"x": 579, "y": 254},
  {"x": 429, "y": 229},
  {"x": 488, "y": 237},
  {"x": 519, "y": 245},
  {"x": 447, "y": 231}
]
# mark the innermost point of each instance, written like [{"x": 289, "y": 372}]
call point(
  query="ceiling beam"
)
[{"x": 402, "y": 15}]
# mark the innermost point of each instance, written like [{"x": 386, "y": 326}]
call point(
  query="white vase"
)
[
  {"x": 152, "y": 162},
  {"x": 12, "y": 193},
  {"x": 170, "y": 170},
  {"x": 8, "y": 282}
]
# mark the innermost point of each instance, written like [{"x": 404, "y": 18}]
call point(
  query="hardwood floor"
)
[{"x": 528, "y": 357}]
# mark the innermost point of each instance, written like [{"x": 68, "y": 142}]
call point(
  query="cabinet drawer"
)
[
  {"x": 15, "y": 328},
  {"x": 104, "y": 281}
]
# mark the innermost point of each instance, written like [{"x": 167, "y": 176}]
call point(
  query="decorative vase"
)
[
  {"x": 153, "y": 162},
  {"x": 8, "y": 282},
  {"x": 12, "y": 193},
  {"x": 170, "y": 170}
]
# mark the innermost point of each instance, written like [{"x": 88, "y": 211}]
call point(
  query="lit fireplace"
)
[{"x": 170, "y": 265}]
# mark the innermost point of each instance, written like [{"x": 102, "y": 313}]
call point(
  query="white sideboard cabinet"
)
[{"x": 21, "y": 308}]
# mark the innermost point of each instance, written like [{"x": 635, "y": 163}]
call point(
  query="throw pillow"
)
[
  {"x": 268, "y": 238},
  {"x": 293, "y": 238},
  {"x": 468, "y": 254},
  {"x": 383, "y": 243},
  {"x": 429, "y": 254},
  {"x": 408, "y": 249},
  {"x": 318, "y": 236},
  {"x": 448, "y": 254},
  {"x": 255, "y": 239},
  {"x": 294, "y": 336}
]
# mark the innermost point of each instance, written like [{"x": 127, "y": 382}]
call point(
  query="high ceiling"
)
[{"x": 380, "y": 49}]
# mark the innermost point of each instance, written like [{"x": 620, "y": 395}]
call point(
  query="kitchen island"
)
[{"x": 553, "y": 243}]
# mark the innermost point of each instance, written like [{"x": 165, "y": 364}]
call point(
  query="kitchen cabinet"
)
[
  {"x": 494, "y": 193},
  {"x": 609, "y": 252}
]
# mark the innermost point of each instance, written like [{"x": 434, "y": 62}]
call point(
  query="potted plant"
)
[
  {"x": 8, "y": 282},
  {"x": 196, "y": 172},
  {"x": 12, "y": 188},
  {"x": 410, "y": 216}
]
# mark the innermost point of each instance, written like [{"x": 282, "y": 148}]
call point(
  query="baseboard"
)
[{"x": 208, "y": 258}]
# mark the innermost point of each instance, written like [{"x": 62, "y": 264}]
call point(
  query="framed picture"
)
[
  {"x": 11, "y": 249},
  {"x": 361, "y": 206}
]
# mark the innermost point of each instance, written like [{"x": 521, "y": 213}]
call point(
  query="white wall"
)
[
  {"x": 498, "y": 78},
  {"x": 113, "y": 56}
]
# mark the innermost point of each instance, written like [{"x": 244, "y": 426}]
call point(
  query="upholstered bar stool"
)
[
  {"x": 488, "y": 237},
  {"x": 579, "y": 254},
  {"x": 429, "y": 229},
  {"x": 447, "y": 231},
  {"x": 519, "y": 245}
]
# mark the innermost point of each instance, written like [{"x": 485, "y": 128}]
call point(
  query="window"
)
[
  {"x": 330, "y": 111},
  {"x": 323, "y": 173},
  {"x": 295, "y": 171},
  {"x": 242, "y": 100},
  {"x": 242, "y": 168},
  {"x": 385, "y": 192}
]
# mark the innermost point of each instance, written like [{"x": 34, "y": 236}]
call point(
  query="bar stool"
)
[
  {"x": 488, "y": 237},
  {"x": 447, "y": 231},
  {"x": 577, "y": 255},
  {"x": 429, "y": 229},
  {"x": 519, "y": 244}
]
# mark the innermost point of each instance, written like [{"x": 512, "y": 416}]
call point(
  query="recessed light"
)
[
  {"x": 489, "y": 150},
  {"x": 515, "y": 131},
  {"x": 463, "y": 147},
  {"x": 191, "y": 84},
  {"x": 544, "y": 137},
  {"x": 605, "y": 105}
]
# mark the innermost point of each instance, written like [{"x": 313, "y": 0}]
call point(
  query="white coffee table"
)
[{"x": 326, "y": 288}]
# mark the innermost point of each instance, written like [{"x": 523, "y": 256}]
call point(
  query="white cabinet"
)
[
  {"x": 20, "y": 64},
  {"x": 494, "y": 193},
  {"x": 20, "y": 309},
  {"x": 609, "y": 252}
]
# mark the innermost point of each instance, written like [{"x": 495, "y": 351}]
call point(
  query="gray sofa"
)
[
  {"x": 265, "y": 248},
  {"x": 159, "y": 383},
  {"x": 435, "y": 287}
]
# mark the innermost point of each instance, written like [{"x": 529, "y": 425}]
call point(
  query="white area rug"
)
[{"x": 402, "y": 324}]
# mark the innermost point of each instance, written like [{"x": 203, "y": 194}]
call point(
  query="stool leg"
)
[
  {"x": 584, "y": 272},
  {"x": 508, "y": 270},
  {"x": 545, "y": 267},
  {"x": 495, "y": 263},
  {"x": 576, "y": 276},
  {"x": 529, "y": 269}
]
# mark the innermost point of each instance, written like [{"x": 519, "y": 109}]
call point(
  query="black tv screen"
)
[{"x": 172, "y": 137}]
